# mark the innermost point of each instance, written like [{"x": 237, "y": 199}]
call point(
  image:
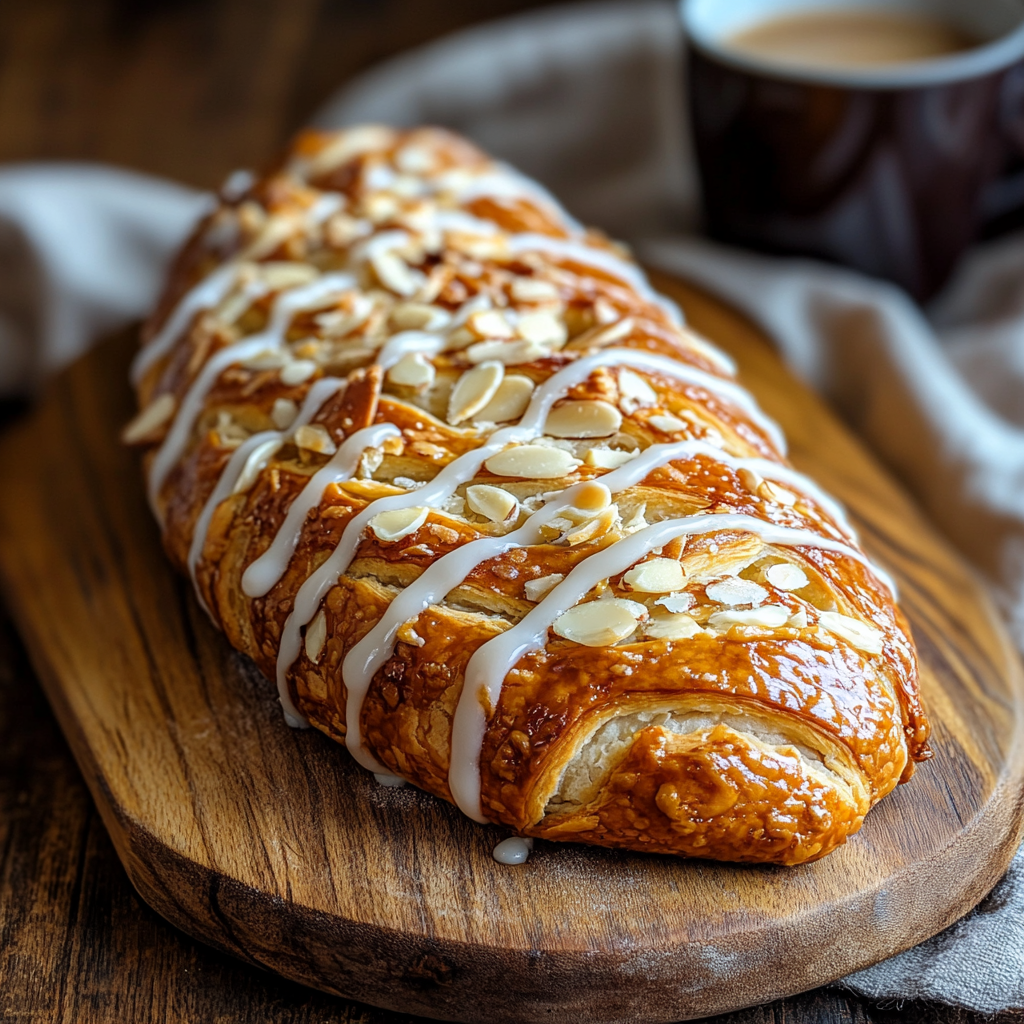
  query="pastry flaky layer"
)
[{"x": 440, "y": 461}]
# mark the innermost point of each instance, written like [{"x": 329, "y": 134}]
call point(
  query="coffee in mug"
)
[
  {"x": 881, "y": 134},
  {"x": 837, "y": 38}
]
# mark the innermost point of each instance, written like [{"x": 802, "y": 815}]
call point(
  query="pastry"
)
[{"x": 443, "y": 465}]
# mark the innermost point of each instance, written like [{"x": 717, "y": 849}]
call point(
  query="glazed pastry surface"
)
[{"x": 441, "y": 462}]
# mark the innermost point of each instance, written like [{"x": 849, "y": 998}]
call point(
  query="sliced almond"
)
[
  {"x": 599, "y": 623},
  {"x": 489, "y": 323},
  {"x": 510, "y": 353},
  {"x": 532, "y": 289},
  {"x": 770, "y": 616},
  {"x": 856, "y": 633},
  {"x": 667, "y": 424},
  {"x": 634, "y": 392},
  {"x": 786, "y": 576},
  {"x": 398, "y": 523},
  {"x": 656, "y": 576},
  {"x": 494, "y": 503},
  {"x": 297, "y": 371},
  {"x": 751, "y": 481},
  {"x": 778, "y": 494},
  {"x": 537, "y": 589},
  {"x": 592, "y": 497},
  {"x": 473, "y": 390},
  {"x": 281, "y": 274},
  {"x": 734, "y": 591},
  {"x": 608, "y": 458},
  {"x": 395, "y": 274},
  {"x": 678, "y": 602},
  {"x": 798, "y": 619},
  {"x": 542, "y": 328},
  {"x": 676, "y": 626},
  {"x": 146, "y": 425},
  {"x": 509, "y": 401},
  {"x": 605, "y": 312},
  {"x": 413, "y": 370},
  {"x": 418, "y": 316},
  {"x": 315, "y": 438},
  {"x": 413, "y": 159},
  {"x": 594, "y": 528},
  {"x": 283, "y": 414},
  {"x": 532, "y": 462},
  {"x": 316, "y": 637},
  {"x": 586, "y": 418},
  {"x": 255, "y": 464},
  {"x": 348, "y": 144}
]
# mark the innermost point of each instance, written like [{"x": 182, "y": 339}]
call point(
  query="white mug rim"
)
[{"x": 979, "y": 62}]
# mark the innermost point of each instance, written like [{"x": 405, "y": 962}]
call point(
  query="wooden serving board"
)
[{"x": 271, "y": 844}]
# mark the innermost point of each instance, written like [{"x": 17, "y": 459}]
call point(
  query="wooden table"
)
[{"x": 187, "y": 89}]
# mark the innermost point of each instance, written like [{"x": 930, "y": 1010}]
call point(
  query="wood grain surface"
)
[
  {"x": 271, "y": 845},
  {"x": 189, "y": 90}
]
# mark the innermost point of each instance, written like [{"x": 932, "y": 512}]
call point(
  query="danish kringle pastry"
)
[{"x": 440, "y": 461}]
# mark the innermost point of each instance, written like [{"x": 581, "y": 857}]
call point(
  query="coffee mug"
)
[{"x": 893, "y": 169}]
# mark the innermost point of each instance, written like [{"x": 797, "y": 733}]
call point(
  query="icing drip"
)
[
  {"x": 491, "y": 663},
  {"x": 514, "y": 850},
  {"x": 262, "y": 574},
  {"x": 315, "y": 398},
  {"x": 286, "y": 305}
]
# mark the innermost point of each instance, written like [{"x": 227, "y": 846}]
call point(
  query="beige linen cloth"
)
[{"x": 588, "y": 98}]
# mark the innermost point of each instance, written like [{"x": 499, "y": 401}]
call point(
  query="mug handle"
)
[{"x": 1001, "y": 208}]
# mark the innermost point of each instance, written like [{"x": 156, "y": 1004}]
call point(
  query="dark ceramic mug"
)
[{"x": 892, "y": 170}]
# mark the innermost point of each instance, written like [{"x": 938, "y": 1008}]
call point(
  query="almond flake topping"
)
[
  {"x": 600, "y": 623},
  {"x": 314, "y": 438},
  {"x": 677, "y": 626},
  {"x": 679, "y": 602},
  {"x": 494, "y": 503},
  {"x": 418, "y": 316},
  {"x": 316, "y": 637},
  {"x": 770, "y": 615},
  {"x": 297, "y": 371},
  {"x": 585, "y": 418},
  {"x": 531, "y": 289},
  {"x": 489, "y": 324},
  {"x": 396, "y": 275},
  {"x": 539, "y": 588},
  {"x": 473, "y": 390},
  {"x": 608, "y": 458},
  {"x": 856, "y": 633},
  {"x": 283, "y": 414},
  {"x": 511, "y": 353},
  {"x": 150, "y": 419},
  {"x": 532, "y": 462},
  {"x": 655, "y": 576},
  {"x": 735, "y": 591},
  {"x": 542, "y": 328},
  {"x": 398, "y": 523},
  {"x": 667, "y": 424},
  {"x": 509, "y": 401},
  {"x": 413, "y": 370},
  {"x": 786, "y": 576},
  {"x": 634, "y": 392}
]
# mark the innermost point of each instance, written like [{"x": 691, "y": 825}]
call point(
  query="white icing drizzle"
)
[
  {"x": 263, "y": 573},
  {"x": 317, "y": 395},
  {"x": 426, "y": 342},
  {"x": 286, "y": 305},
  {"x": 491, "y": 663},
  {"x": 209, "y": 292}
]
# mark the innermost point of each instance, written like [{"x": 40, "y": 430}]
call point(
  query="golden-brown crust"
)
[{"x": 799, "y": 727}]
